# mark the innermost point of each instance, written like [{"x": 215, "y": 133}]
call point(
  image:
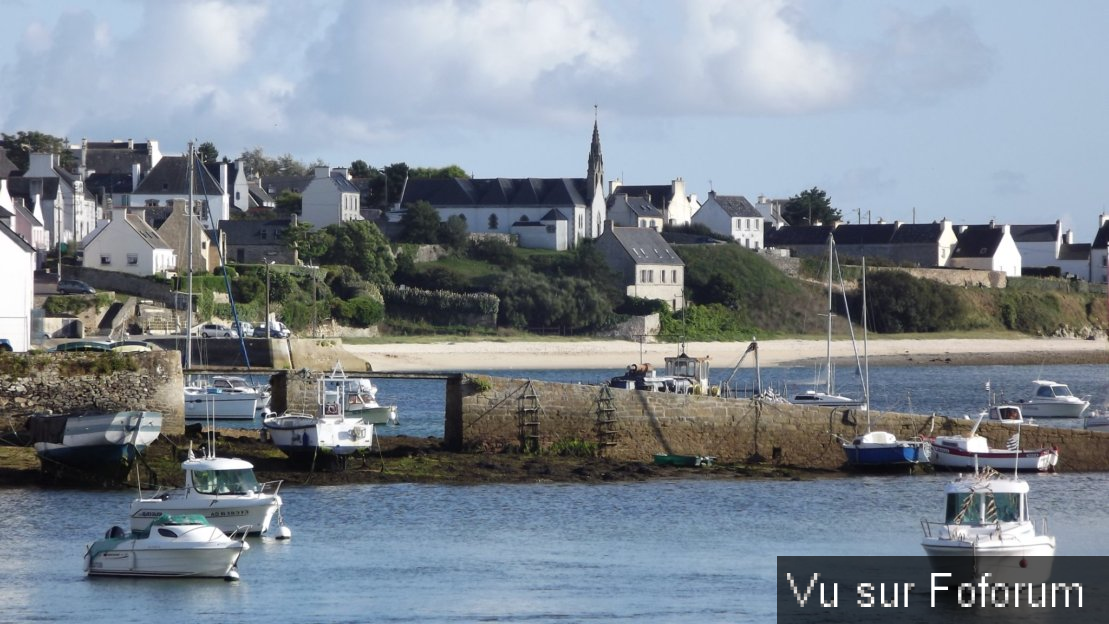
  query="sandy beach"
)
[{"x": 616, "y": 355}]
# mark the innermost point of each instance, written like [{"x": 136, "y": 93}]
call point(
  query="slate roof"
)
[
  {"x": 736, "y": 206},
  {"x": 638, "y": 205},
  {"x": 1041, "y": 233},
  {"x": 978, "y": 241},
  {"x": 659, "y": 194},
  {"x": 1101, "y": 239},
  {"x": 21, "y": 187},
  {"x": 864, "y": 233},
  {"x": 798, "y": 235},
  {"x": 109, "y": 182},
  {"x": 497, "y": 191},
  {"x": 139, "y": 225},
  {"x": 341, "y": 182},
  {"x": 645, "y": 245},
  {"x": 7, "y": 167},
  {"x": 15, "y": 238},
  {"x": 114, "y": 156},
  {"x": 1074, "y": 251},
  {"x": 275, "y": 185},
  {"x": 171, "y": 177},
  {"x": 910, "y": 233}
]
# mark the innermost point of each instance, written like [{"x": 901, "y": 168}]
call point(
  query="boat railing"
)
[
  {"x": 240, "y": 532},
  {"x": 270, "y": 487}
]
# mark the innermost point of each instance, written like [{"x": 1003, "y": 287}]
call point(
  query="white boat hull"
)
[
  {"x": 1053, "y": 409},
  {"x": 222, "y": 406},
  {"x": 299, "y": 435},
  {"x": 1003, "y": 461},
  {"x": 229, "y": 514},
  {"x": 182, "y": 549}
]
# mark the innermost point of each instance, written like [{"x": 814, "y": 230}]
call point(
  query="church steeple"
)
[{"x": 595, "y": 173}]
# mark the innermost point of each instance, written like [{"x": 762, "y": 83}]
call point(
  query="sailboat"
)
[
  {"x": 880, "y": 448},
  {"x": 828, "y": 396}
]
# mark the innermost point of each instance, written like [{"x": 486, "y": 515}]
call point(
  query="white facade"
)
[
  {"x": 128, "y": 245},
  {"x": 1006, "y": 258},
  {"x": 734, "y": 217},
  {"x": 72, "y": 214},
  {"x": 18, "y": 261},
  {"x": 330, "y": 198}
]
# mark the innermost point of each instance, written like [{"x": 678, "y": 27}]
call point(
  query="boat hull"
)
[
  {"x": 895, "y": 454},
  {"x": 170, "y": 547},
  {"x": 300, "y": 436},
  {"x": 105, "y": 442},
  {"x": 1040, "y": 460},
  {"x": 377, "y": 415},
  {"x": 1053, "y": 409},
  {"x": 1004, "y": 563},
  {"x": 222, "y": 406},
  {"x": 228, "y": 514}
]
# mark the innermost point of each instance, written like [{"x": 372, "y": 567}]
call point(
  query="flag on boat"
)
[{"x": 1014, "y": 442}]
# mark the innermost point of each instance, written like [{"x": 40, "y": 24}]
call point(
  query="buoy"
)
[
  {"x": 233, "y": 575},
  {"x": 283, "y": 533}
]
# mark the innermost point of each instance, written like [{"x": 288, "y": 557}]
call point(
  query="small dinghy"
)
[{"x": 172, "y": 546}]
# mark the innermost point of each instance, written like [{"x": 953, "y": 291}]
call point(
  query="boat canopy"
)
[{"x": 235, "y": 481}]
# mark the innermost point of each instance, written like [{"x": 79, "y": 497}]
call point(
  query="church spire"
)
[{"x": 595, "y": 173}]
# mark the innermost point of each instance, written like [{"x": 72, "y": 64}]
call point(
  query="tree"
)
[
  {"x": 811, "y": 206},
  {"x": 450, "y": 171},
  {"x": 361, "y": 246},
  {"x": 287, "y": 202},
  {"x": 18, "y": 148},
  {"x": 421, "y": 224},
  {"x": 396, "y": 175},
  {"x": 301, "y": 236},
  {"x": 360, "y": 169},
  {"x": 453, "y": 233},
  {"x": 207, "y": 152}
]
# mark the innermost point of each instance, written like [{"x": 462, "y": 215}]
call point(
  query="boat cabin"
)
[
  {"x": 1002, "y": 501},
  {"x": 1007, "y": 414},
  {"x": 215, "y": 476},
  {"x": 695, "y": 369},
  {"x": 1051, "y": 390}
]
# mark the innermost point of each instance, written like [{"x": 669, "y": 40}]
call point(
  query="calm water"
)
[{"x": 699, "y": 551}]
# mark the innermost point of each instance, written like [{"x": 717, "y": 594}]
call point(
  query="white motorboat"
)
[
  {"x": 96, "y": 442},
  {"x": 328, "y": 433},
  {"x": 824, "y": 399},
  {"x": 361, "y": 398},
  {"x": 1008, "y": 415},
  {"x": 1096, "y": 421},
  {"x": 170, "y": 546},
  {"x": 972, "y": 451},
  {"x": 1052, "y": 400},
  {"x": 986, "y": 529},
  {"x": 225, "y": 397},
  {"x": 222, "y": 490}
]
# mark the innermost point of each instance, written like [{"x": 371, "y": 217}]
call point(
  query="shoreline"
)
[{"x": 617, "y": 355}]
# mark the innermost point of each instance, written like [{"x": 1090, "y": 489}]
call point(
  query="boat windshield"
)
[
  {"x": 982, "y": 507},
  {"x": 1062, "y": 391},
  {"x": 240, "y": 481}
]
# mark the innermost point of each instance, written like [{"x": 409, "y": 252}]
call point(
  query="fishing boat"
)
[
  {"x": 222, "y": 490},
  {"x": 361, "y": 398},
  {"x": 684, "y": 374},
  {"x": 986, "y": 529},
  {"x": 1051, "y": 399},
  {"x": 1007, "y": 415},
  {"x": 330, "y": 431},
  {"x": 170, "y": 546},
  {"x": 971, "y": 451},
  {"x": 225, "y": 397},
  {"x": 103, "y": 443}
]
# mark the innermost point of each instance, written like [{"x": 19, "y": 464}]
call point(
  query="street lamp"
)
[{"x": 266, "y": 321}]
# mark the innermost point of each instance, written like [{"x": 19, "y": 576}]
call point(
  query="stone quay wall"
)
[
  {"x": 635, "y": 425},
  {"x": 78, "y": 382}
]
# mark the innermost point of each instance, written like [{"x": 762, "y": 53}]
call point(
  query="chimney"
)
[
  {"x": 136, "y": 171},
  {"x": 613, "y": 184},
  {"x": 323, "y": 171},
  {"x": 343, "y": 171},
  {"x": 607, "y": 227}
]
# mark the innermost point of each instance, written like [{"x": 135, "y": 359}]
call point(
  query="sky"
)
[{"x": 909, "y": 110}]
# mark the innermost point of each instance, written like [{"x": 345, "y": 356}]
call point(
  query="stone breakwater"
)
[
  {"x": 497, "y": 413},
  {"x": 79, "y": 382}
]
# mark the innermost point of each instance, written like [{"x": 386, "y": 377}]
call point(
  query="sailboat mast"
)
[
  {"x": 828, "y": 380},
  {"x": 189, "y": 306},
  {"x": 866, "y": 353}
]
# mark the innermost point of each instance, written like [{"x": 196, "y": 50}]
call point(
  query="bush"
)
[{"x": 360, "y": 311}]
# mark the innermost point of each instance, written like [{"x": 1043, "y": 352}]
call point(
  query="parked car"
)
[
  {"x": 75, "y": 287},
  {"x": 277, "y": 330},
  {"x": 246, "y": 328},
  {"x": 217, "y": 330}
]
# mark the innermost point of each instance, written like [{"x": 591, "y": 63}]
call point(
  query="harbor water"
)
[{"x": 656, "y": 551}]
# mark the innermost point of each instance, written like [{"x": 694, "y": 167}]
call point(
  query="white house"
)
[
  {"x": 503, "y": 205},
  {"x": 677, "y": 207},
  {"x": 732, "y": 216},
  {"x": 648, "y": 265},
  {"x": 69, "y": 210},
  {"x": 112, "y": 169},
  {"x": 986, "y": 247},
  {"x": 771, "y": 211},
  {"x": 330, "y": 198},
  {"x": 127, "y": 244},
  {"x": 169, "y": 181},
  {"x": 25, "y": 219},
  {"x": 1039, "y": 244},
  {"x": 18, "y": 259}
]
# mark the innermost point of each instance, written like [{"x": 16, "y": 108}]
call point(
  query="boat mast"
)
[
  {"x": 866, "y": 356},
  {"x": 828, "y": 372},
  {"x": 189, "y": 306}
]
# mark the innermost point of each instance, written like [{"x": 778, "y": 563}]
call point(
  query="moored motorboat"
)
[
  {"x": 330, "y": 432},
  {"x": 225, "y": 397},
  {"x": 972, "y": 451},
  {"x": 882, "y": 448},
  {"x": 104, "y": 443},
  {"x": 986, "y": 529},
  {"x": 170, "y": 546},
  {"x": 1051, "y": 399},
  {"x": 361, "y": 398},
  {"x": 222, "y": 490}
]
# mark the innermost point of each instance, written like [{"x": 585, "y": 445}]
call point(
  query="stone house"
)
[
  {"x": 330, "y": 198},
  {"x": 923, "y": 244},
  {"x": 988, "y": 248},
  {"x": 648, "y": 265},
  {"x": 174, "y": 230},
  {"x": 732, "y": 216},
  {"x": 126, "y": 243},
  {"x": 252, "y": 241},
  {"x": 677, "y": 208},
  {"x": 169, "y": 181},
  {"x": 18, "y": 259},
  {"x": 633, "y": 211}
]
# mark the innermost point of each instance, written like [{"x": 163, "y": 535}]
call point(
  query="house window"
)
[
  {"x": 492, "y": 222},
  {"x": 524, "y": 219},
  {"x": 674, "y": 276},
  {"x": 105, "y": 259},
  {"x": 132, "y": 259},
  {"x": 737, "y": 224},
  {"x": 152, "y": 203},
  {"x": 662, "y": 274},
  {"x": 237, "y": 197}
]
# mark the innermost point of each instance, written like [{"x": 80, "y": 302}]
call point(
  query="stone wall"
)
[
  {"x": 69, "y": 382},
  {"x": 731, "y": 430}
]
